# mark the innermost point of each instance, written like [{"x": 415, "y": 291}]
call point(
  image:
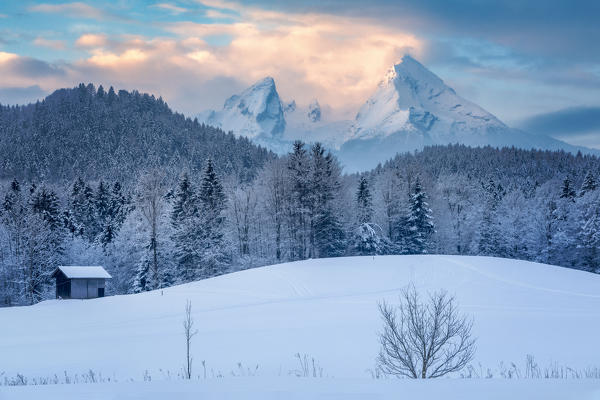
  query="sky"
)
[{"x": 534, "y": 64}]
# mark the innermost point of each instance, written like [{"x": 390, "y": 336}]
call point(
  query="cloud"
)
[
  {"x": 74, "y": 10},
  {"x": 337, "y": 59},
  {"x": 52, "y": 44},
  {"x": 574, "y": 121},
  {"x": 21, "y": 95},
  {"x": 91, "y": 40},
  {"x": 173, "y": 9},
  {"x": 24, "y": 79}
]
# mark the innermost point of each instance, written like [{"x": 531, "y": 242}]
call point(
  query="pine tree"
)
[
  {"x": 589, "y": 235},
  {"x": 45, "y": 203},
  {"x": 364, "y": 201},
  {"x": 490, "y": 241},
  {"x": 420, "y": 221},
  {"x": 567, "y": 191},
  {"x": 327, "y": 235},
  {"x": 368, "y": 237},
  {"x": 589, "y": 184},
  {"x": 330, "y": 234},
  {"x": 143, "y": 272},
  {"x": 183, "y": 206},
  {"x": 299, "y": 202},
  {"x": 212, "y": 202},
  {"x": 184, "y": 217}
]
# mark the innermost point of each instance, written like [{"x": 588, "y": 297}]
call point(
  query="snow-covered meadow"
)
[{"x": 254, "y": 322}]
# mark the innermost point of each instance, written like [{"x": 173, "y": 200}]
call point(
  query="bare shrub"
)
[
  {"x": 190, "y": 332},
  {"x": 424, "y": 339}
]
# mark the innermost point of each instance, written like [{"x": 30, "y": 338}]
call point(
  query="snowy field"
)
[{"x": 327, "y": 309}]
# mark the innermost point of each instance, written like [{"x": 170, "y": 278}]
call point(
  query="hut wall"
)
[{"x": 79, "y": 288}]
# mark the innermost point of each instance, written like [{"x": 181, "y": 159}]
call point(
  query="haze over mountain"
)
[{"x": 411, "y": 108}]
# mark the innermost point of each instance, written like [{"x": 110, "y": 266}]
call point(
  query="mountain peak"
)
[
  {"x": 413, "y": 74},
  {"x": 257, "y": 111},
  {"x": 413, "y": 99}
]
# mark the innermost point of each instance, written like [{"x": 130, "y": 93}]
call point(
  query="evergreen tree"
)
[
  {"x": 420, "y": 221},
  {"x": 143, "y": 273},
  {"x": 183, "y": 219},
  {"x": 567, "y": 191},
  {"x": 299, "y": 202},
  {"x": 45, "y": 203},
  {"x": 589, "y": 184},
  {"x": 368, "y": 237},
  {"x": 327, "y": 233},
  {"x": 330, "y": 234},
  {"x": 364, "y": 201},
  {"x": 490, "y": 241},
  {"x": 589, "y": 235},
  {"x": 184, "y": 206},
  {"x": 210, "y": 242}
]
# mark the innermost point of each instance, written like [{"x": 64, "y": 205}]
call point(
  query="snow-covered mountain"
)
[
  {"x": 410, "y": 109},
  {"x": 260, "y": 114},
  {"x": 412, "y": 99},
  {"x": 257, "y": 112}
]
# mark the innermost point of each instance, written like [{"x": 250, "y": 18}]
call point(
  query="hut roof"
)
[{"x": 81, "y": 272}]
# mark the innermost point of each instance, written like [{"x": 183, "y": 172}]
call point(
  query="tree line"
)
[{"x": 158, "y": 229}]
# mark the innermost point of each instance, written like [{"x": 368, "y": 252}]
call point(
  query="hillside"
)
[
  {"x": 324, "y": 308},
  {"x": 93, "y": 133}
]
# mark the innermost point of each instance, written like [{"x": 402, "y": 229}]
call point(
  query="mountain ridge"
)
[{"x": 411, "y": 108}]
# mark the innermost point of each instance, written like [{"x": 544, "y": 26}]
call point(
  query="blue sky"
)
[{"x": 534, "y": 64}]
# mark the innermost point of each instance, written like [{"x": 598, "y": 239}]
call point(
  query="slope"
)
[
  {"x": 326, "y": 308},
  {"x": 93, "y": 133}
]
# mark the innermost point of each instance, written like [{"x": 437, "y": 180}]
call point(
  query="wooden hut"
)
[{"x": 78, "y": 282}]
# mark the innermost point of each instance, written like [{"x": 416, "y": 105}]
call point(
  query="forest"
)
[{"x": 156, "y": 230}]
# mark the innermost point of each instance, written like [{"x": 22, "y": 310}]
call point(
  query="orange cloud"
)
[
  {"x": 338, "y": 60},
  {"x": 108, "y": 59},
  {"x": 4, "y": 57},
  {"x": 91, "y": 40}
]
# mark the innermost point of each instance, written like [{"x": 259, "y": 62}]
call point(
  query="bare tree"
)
[
  {"x": 424, "y": 339},
  {"x": 190, "y": 332}
]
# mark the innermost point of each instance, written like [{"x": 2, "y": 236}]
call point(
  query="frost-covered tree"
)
[
  {"x": 327, "y": 237},
  {"x": 567, "y": 191},
  {"x": 589, "y": 184},
  {"x": 151, "y": 203},
  {"x": 490, "y": 241},
  {"x": 368, "y": 237},
  {"x": 364, "y": 202},
  {"x": 211, "y": 244},
  {"x": 588, "y": 241},
  {"x": 420, "y": 221}
]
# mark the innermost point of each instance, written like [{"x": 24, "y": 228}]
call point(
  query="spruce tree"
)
[
  {"x": 300, "y": 201},
  {"x": 368, "y": 237},
  {"x": 212, "y": 202},
  {"x": 490, "y": 241},
  {"x": 327, "y": 235},
  {"x": 589, "y": 184},
  {"x": 567, "y": 191},
  {"x": 364, "y": 201},
  {"x": 183, "y": 206},
  {"x": 184, "y": 218},
  {"x": 420, "y": 221}
]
